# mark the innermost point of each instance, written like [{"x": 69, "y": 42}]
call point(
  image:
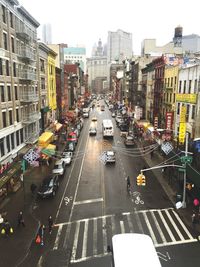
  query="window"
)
[
  {"x": 5, "y": 42},
  {"x": 195, "y": 86},
  {"x": 17, "y": 137},
  {"x": 42, "y": 65},
  {"x": 175, "y": 79},
  {"x": 16, "y": 93},
  {"x": 180, "y": 85},
  {"x": 171, "y": 81},
  {"x": 4, "y": 119},
  {"x": 14, "y": 69},
  {"x": 168, "y": 82},
  {"x": 12, "y": 140},
  {"x": 2, "y": 149},
  {"x": 8, "y": 143},
  {"x": 9, "y": 93},
  {"x": 4, "y": 14},
  {"x": 187, "y": 112},
  {"x": 11, "y": 20},
  {"x": 189, "y": 86},
  {"x": 7, "y": 68},
  {"x": 1, "y": 66},
  {"x": 10, "y": 117},
  {"x": 178, "y": 108},
  {"x": 17, "y": 115},
  {"x": 184, "y": 87},
  {"x": 193, "y": 112},
  {"x": 2, "y": 93},
  {"x": 13, "y": 44},
  {"x": 43, "y": 83},
  {"x": 22, "y": 135}
]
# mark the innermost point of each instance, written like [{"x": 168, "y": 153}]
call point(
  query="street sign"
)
[
  {"x": 186, "y": 159},
  {"x": 167, "y": 147}
]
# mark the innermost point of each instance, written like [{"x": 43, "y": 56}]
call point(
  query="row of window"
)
[
  {"x": 188, "y": 86},
  {"x": 9, "y": 120},
  {"x": 10, "y": 142},
  {"x": 188, "y": 108},
  {"x": 6, "y": 70},
  {"x": 6, "y": 93}
]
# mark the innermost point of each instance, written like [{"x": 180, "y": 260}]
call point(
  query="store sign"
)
[
  {"x": 187, "y": 98},
  {"x": 155, "y": 123},
  {"x": 182, "y": 131},
  {"x": 183, "y": 114},
  {"x": 169, "y": 120}
]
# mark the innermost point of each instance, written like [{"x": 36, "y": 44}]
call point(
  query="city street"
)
[{"x": 92, "y": 204}]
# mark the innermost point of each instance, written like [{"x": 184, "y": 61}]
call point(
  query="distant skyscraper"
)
[
  {"x": 47, "y": 34},
  {"x": 119, "y": 46}
]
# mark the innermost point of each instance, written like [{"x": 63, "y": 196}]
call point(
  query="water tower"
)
[{"x": 178, "y": 36}]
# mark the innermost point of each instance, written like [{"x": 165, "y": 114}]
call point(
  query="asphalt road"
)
[{"x": 92, "y": 204}]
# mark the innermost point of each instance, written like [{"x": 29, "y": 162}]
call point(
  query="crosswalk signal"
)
[{"x": 141, "y": 180}]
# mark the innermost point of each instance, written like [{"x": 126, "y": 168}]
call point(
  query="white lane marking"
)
[
  {"x": 94, "y": 236},
  {"x": 57, "y": 237},
  {"x": 85, "y": 239},
  {"x": 158, "y": 227},
  {"x": 89, "y": 258},
  {"x": 174, "y": 225},
  {"x": 176, "y": 243},
  {"x": 74, "y": 248},
  {"x": 138, "y": 221},
  {"x": 150, "y": 228},
  {"x": 104, "y": 235},
  {"x": 88, "y": 201},
  {"x": 67, "y": 236},
  {"x": 113, "y": 225},
  {"x": 122, "y": 227},
  {"x": 166, "y": 226},
  {"x": 130, "y": 223},
  {"x": 183, "y": 225}
]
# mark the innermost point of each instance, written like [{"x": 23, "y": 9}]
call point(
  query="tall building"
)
[
  {"x": 19, "y": 95},
  {"x": 73, "y": 55},
  {"x": 119, "y": 46},
  {"x": 47, "y": 33}
]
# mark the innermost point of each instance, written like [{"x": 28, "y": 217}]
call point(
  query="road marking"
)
[
  {"x": 74, "y": 248},
  {"x": 166, "y": 226},
  {"x": 57, "y": 237},
  {"x": 174, "y": 225},
  {"x": 130, "y": 224},
  {"x": 122, "y": 227},
  {"x": 104, "y": 235},
  {"x": 85, "y": 238},
  {"x": 88, "y": 201},
  {"x": 94, "y": 236},
  {"x": 67, "y": 236},
  {"x": 183, "y": 225},
  {"x": 158, "y": 227},
  {"x": 150, "y": 228}
]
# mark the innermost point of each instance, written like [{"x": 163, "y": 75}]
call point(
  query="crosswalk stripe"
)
[
  {"x": 183, "y": 225},
  {"x": 104, "y": 235},
  {"x": 122, "y": 227},
  {"x": 85, "y": 238},
  {"x": 158, "y": 227},
  {"x": 174, "y": 225},
  {"x": 138, "y": 221},
  {"x": 130, "y": 224},
  {"x": 113, "y": 225},
  {"x": 94, "y": 236},
  {"x": 166, "y": 226},
  {"x": 58, "y": 237},
  {"x": 74, "y": 248},
  {"x": 150, "y": 228},
  {"x": 66, "y": 236}
]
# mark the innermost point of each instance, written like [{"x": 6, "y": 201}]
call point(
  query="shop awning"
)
[
  {"x": 45, "y": 139},
  {"x": 58, "y": 126},
  {"x": 50, "y": 150},
  {"x": 5, "y": 177}
]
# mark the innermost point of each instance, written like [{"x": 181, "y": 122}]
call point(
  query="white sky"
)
[{"x": 85, "y": 21}]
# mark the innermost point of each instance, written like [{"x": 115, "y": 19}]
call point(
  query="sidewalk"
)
[
  {"x": 170, "y": 189},
  {"x": 16, "y": 246}
]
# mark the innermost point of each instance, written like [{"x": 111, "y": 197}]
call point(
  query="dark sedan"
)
[{"x": 49, "y": 186}]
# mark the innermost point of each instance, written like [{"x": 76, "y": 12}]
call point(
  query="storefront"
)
[{"x": 10, "y": 180}]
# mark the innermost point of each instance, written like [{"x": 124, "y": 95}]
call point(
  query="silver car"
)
[
  {"x": 59, "y": 167},
  {"x": 67, "y": 157},
  {"x": 110, "y": 156}
]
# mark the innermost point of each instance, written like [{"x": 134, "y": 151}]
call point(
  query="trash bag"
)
[
  {"x": 3, "y": 231},
  {"x": 38, "y": 239}
]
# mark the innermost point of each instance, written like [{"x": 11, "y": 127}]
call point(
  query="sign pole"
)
[{"x": 184, "y": 177}]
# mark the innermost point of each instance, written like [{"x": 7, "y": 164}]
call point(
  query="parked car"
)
[
  {"x": 92, "y": 131},
  {"x": 70, "y": 147},
  {"x": 113, "y": 114},
  {"x": 59, "y": 167},
  {"x": 129, "y": 141},
  {"x": 124, "y": 130},
  {"x": 67, "y": 157},
  {"x": 49, "y": 186},
  {"x": 110, "y": 156}
]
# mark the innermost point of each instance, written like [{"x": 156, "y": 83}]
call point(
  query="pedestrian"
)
[
  {"x": 33, "y": 188},
  {"x": 128, "y": 182},
  {"x": 50, "y": 223},
  {"x": 21, "y": 219},
  {"x": 194, "y": 220},
  {"x": 41, "y": 234},
  {"x": 196, "y": 204}
]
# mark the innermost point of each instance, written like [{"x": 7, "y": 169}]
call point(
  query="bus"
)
[
  {"x": 132, "y": 249},
  {"x": 107, "y": 128}
]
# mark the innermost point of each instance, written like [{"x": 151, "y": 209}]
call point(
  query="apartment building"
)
[{"x": 19, "y": 95}]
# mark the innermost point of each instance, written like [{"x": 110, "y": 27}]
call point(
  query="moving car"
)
[
  {"x": 92, "y": 131},
  {"x": 129, "y": 141},
  {"x": 67, "y": 157},
  {"x": 49, "y": 186},
  {"x": 59, "y": 167},
  {"x": 110, "y": 156}
]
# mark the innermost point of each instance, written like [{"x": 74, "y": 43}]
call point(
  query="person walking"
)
[
  {"x": 21, "y": 219},
  {"x": 128, "y": 183},
  {"x": 33, "y": 188},
  {"x": 50, "y": 223},
  {"x": 41, "y": 234}
]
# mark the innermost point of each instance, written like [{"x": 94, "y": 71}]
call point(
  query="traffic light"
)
[{"x": 141, "y": 180}]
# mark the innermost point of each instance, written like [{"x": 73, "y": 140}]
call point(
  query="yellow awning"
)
[
  {"x": 51, "y": 147},
  {"x": 58, "y": 126},
  {"x": 45, "y": 139}
]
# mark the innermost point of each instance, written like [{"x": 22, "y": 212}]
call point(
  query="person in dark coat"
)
[
  {"x": 41, "y": 234},
  {"x": 6, "y": 226},
  {"x": 21, "y": 219},
  {"x": 50, "y": 222}
]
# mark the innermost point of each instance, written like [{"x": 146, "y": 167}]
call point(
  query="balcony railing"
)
[
  {"x": 26, "y": 53},
  {"x": 27, "y": 75},
  {"x": 31, "y": 137},
  {"x": 29, "y": 97},
  {"x": 22, "y": 32},
  {"x": 31, "y": 117}
]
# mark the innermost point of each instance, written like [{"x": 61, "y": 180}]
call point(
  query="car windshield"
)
[
  {"x": 110, "y": 153},
  {"x": 58, "y": 166},
  {"x": 67, "y": 154}
]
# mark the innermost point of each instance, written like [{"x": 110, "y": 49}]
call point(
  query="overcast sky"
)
[{"x": 84, "y": 22}]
